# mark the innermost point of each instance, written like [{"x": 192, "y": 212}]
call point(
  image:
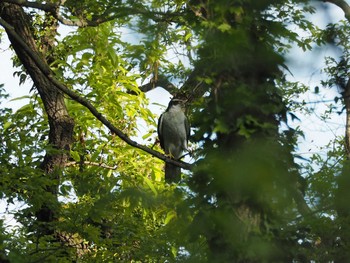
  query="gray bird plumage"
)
[{"x": 173, "y": 133}]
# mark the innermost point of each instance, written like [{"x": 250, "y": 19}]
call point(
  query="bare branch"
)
[
  {"x": 82, "y": 23},
  {"x": 343, "y": 5},
  {"x": 88, "y": 163},
  {"x": 49, "y": 74},
  {"x": 161, "y": 81}
]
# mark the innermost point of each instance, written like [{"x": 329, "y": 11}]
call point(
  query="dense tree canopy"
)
[{"x": 91, "y": 193}]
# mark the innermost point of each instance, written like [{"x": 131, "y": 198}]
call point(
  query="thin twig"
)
[{"x": 88, "y": 163}]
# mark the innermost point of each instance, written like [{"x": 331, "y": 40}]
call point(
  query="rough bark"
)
[{"x": 60, "y": 123}]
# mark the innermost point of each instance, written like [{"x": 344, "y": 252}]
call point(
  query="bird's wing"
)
[{"x": 160, "y": 131}]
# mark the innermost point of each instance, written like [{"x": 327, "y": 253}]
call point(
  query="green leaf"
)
[
  {"x": 150, "y": 185},
  {"x": 7, "y": 125},
  {"x": 75, "y": 155},
  {"x": 224, "y": 27},
  {"x": 170, "y": 215}
]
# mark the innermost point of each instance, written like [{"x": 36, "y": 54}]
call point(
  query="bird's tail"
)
[{"x": 172, "y": 173}]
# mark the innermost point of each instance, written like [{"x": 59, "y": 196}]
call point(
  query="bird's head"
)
[{"x": 177, "y": 103}]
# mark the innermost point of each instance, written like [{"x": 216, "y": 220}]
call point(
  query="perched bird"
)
[{"x": 173, "y": 133}]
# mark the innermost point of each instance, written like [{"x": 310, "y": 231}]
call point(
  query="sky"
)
[
  {"x": 7, "y": 77},
  {"x": 306, "y": 68}
]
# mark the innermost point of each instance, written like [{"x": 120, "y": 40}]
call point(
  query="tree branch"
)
[
  {"x": 343, "y": 5},
  {"x": 49, "y": 74},
  {"x": 54, "y": 10},
  {"x": 162, "y": 81},
  {"x": 112, "y": 14},
  {"x": 108, "y": 15},
  {"x": 48, "y": 7},
  {"x": 81, "y": 23},
  {"x": 88, "y": 163}
]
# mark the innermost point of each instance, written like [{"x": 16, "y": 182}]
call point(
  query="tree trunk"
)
[{"x": 60, "y": 123}]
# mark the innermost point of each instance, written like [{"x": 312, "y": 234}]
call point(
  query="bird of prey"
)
[{"x": 173, "y": 133}]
